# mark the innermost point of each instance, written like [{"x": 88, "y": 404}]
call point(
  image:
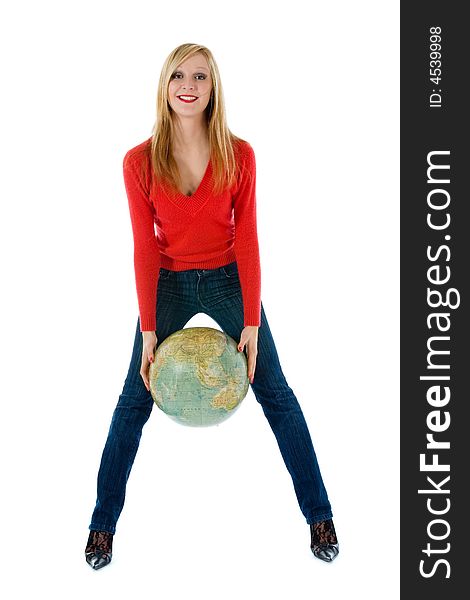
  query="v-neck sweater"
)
[{"x": 202, "y": 231}]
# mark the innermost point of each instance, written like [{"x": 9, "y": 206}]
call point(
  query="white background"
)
[{"x": 209, "y": 513}]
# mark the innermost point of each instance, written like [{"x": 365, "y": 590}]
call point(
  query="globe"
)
[{"x": 199, "y": 377}]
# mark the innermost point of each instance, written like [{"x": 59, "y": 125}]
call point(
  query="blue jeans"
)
[{"x": 216, "y": 292}]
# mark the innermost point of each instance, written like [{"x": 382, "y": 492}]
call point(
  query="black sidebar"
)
[{"x": 434, "y": 301}]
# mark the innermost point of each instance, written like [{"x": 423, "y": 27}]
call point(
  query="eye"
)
[{"x": 176, "y": 75}]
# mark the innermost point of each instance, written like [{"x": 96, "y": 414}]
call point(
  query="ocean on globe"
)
[{"x": 199, "y": 377}]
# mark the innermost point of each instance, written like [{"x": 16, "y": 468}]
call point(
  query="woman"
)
[{"x": 195, "y": 181}]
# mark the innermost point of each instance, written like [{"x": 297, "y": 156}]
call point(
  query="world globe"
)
[{"x": 199, "y": 377}]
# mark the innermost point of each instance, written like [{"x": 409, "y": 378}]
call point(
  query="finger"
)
[
  {"x": 251, "y": 366},
  {"x": 144, "y": 373},
  {"x": 253, "y": 369},
  {"x": 149, "y": 353},
  {"x": 146, "y": 383}
]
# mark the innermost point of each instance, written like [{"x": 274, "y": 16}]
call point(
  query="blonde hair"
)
[{"x": 222, "y": 141}]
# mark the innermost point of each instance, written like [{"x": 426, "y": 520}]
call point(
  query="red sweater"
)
[{"x": 202, "y": 231}]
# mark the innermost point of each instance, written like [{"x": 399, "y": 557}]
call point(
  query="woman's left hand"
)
[{"x": 249, "y": 338}]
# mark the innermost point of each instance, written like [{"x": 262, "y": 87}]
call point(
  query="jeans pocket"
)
[
  {"x": 164, "y": 273},
  {"x": 230, "y": 270}
]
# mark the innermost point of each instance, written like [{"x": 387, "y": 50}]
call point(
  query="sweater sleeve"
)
[
  {"x": 146, "y": 250},
  {"x": 246, "y": 239}
]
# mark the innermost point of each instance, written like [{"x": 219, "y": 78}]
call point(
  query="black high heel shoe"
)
[
  {"x": 324, "y": 543},
  {"x": 98, "y": 551}
]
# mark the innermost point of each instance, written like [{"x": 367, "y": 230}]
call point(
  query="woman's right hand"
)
[{"x": 149, "y": 341}]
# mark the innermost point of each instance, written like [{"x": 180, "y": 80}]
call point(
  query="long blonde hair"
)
[{"x": 222, "y": 141}]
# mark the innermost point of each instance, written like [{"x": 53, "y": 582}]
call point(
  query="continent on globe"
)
[{"x": 199, "y": 378}]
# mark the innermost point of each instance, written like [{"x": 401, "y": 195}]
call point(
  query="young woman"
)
[{"x": 195, "y": 181}]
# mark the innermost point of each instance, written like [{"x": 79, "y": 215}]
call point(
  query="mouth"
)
[{"x": 187, "y": 98}]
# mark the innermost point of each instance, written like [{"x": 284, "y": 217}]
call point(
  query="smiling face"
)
[{"x": 190, "y": 87}]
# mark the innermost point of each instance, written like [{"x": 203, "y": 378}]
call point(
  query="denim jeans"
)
[{"x": 216, "y": 292}]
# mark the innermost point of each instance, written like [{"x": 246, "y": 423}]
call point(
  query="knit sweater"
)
[{"x": 202, "y": 231}]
